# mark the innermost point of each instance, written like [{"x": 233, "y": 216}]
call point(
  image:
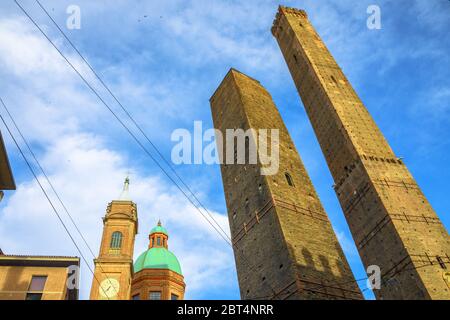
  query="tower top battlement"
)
[{"x": 282, "y": 10}]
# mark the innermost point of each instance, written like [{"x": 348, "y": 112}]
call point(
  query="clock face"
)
[{"x": 109, "y": 288}]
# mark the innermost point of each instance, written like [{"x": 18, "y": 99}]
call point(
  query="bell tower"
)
[{"x": 114, "y": 265}]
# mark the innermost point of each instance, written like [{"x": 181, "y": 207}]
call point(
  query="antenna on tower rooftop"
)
[{"x": 125, "y": 196}]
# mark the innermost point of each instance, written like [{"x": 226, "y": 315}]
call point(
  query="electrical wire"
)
[
  {"x": 228, "y": 241},
  {"x": 48, "y": 198},
  {"x": 51, "y": 185}
]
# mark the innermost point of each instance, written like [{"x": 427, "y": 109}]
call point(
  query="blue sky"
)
[{"x": 164, "y": 59}]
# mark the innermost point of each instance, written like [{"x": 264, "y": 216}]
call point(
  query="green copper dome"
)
[
  {"x": 159, "y": 229},
  {"x": 157, "y": 258}
]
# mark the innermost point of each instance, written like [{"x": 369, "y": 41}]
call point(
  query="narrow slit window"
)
[
  {"x": 247, "y": 149},
  {"x": 289, "y": 179},
  {"x": 334, "y": 80},
  {"x": 441, "y": 262},
  {"x": 235, "y": 152}
]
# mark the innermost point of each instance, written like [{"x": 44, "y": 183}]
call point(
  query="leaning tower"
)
[
  {"x": 284, "y": 245},
  {"x": 392, "y": 222}
]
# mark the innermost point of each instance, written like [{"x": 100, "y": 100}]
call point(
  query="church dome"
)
[
  {"x": 158, "y": 255},
  {"x": 157, "y": 258},
  {"x": 159, "y": 229}
]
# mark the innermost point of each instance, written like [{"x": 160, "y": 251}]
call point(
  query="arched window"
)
[
  {"x": 289, "y": 179},
  {"x": 116, "y": 240}
]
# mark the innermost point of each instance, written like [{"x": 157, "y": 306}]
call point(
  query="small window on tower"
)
[
  {"x": 247, "y": 150},
  {"x": 136, "y": 297},
  {"x": 116, "y": 240},
  {"x": 154, "y": 295},
  {"x": 334, "y": 80},
  {"x": 158, "y": 241},
  {"x": 289, "y": 179},
  {"x": 441, "y": 262},
  {"x": 173, "y": 297}
]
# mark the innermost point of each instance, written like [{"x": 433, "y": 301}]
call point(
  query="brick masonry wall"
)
[
  {"x": 116, "y": 264},
  {"x": 159, "y": 280},
  {"x": 392, "y": 222},
  {"x": 285, "y": 247}
]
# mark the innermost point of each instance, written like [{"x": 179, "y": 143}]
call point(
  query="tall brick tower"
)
[
  {"x": 114, "y": 265},
  {"x": 392, "y": 222},
  {"x": 284, "y": 245}
]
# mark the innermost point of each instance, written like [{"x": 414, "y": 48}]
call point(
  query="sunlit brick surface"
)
[
  {"x": 392, "y": 222},
  {"x": 116, "y": 264},
  {"x": 285, "y": 247}
]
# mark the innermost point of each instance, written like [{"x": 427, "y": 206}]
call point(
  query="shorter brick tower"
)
[
  {"x": 114, "y": 265},
  {"x": 284, "y": 245},
  {"x": 157, "y": 272}
]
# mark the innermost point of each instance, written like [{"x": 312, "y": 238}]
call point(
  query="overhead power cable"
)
[
  {"x": 48, "y": 198},
  {"x": 222, "y": 234},
  {"x": 172, "y": 169},
  {"x": 51, "y": 186},
  {"x": 136, "y": 124},
  {"x": 112, "y": 111}
]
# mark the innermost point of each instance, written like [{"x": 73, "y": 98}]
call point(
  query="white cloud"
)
[
  {"x": 164, "y": 67},
  {"x": 64, "y": 121},
  {"x": 67, "y": 123},
  {"x": 348, "y": 246},
  {"x": 222, "y": 31},
  {"x": 88, "y": 176}
]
